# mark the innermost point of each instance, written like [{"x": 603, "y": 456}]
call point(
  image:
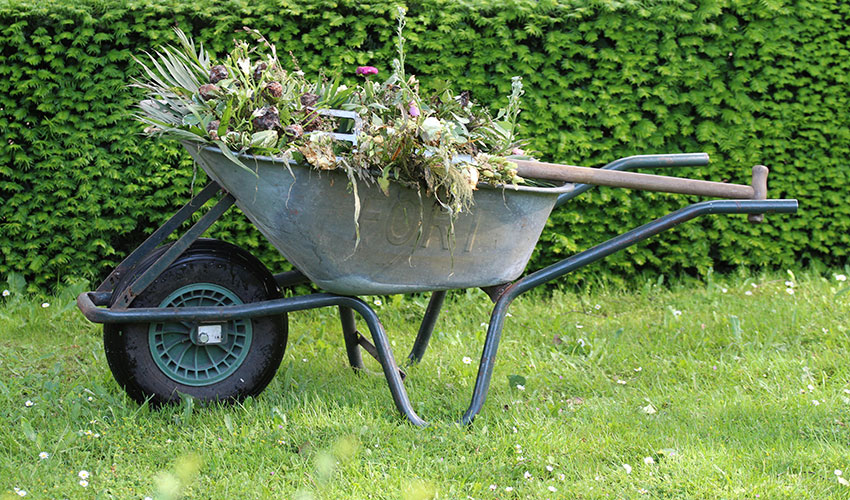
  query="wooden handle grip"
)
[
  {"x": 631, "y": 180},
  {"x": 759, "y": 190}
]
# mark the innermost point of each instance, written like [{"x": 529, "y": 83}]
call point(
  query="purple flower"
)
[
  {"x": 366, "y": 70},
  {"x": 413, "y": 110}
]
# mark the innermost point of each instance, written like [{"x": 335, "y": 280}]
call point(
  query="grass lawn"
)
[{"x": 731, "y": 388}]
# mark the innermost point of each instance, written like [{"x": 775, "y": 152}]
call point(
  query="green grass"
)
[{"x": 729, "y": 372}]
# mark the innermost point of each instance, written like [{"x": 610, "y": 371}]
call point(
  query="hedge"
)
[{"x": 748, "y": 81}]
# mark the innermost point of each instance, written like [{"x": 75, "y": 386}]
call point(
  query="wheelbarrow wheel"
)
[{"x": 227, "y": 361}]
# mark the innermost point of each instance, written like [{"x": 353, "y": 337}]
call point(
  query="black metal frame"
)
[{"x": 120, "y": 312}]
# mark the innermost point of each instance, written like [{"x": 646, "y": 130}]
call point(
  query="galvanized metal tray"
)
[{"x": 406, "y": 243}]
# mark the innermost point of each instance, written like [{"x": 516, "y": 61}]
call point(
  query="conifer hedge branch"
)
[{"x": 747, "y": 81}]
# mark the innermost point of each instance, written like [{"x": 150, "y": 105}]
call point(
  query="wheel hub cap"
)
[{"x": 199, "y": 355}]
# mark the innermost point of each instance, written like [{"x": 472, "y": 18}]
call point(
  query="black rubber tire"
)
[{"x": 127, "y": 345}]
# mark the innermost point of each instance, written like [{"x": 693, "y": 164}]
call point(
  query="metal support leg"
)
[
  {"x": 427, "y": 327},
  {"x": 391, "y": 370},
  {"x": 354, "y": 340},
  {"x": 488, "y": 358},
  {"x": 351, "y": 336}
]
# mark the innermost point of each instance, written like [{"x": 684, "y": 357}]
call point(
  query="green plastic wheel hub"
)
[{"x": 183, "y": 359}]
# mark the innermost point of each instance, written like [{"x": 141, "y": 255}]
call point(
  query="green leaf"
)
[
  {"x": 225, "y": 118},
  {"x": 264, "y": 139},
  {"x": 230, "y": 156},
  {"x": 516, "y": 380},
  {"x": 384, "y": 184},
  {"x": 17, "y": 283},
  {"x": 28, "y": 430}
]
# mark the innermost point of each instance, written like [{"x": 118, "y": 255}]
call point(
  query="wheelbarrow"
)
[{"x": 205, "y": 318}]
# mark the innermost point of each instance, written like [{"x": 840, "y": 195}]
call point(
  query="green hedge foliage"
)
[{"x": 748, "y": 81}]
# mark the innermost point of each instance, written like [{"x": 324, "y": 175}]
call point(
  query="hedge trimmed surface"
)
[{"x": 746, "y": 81}]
